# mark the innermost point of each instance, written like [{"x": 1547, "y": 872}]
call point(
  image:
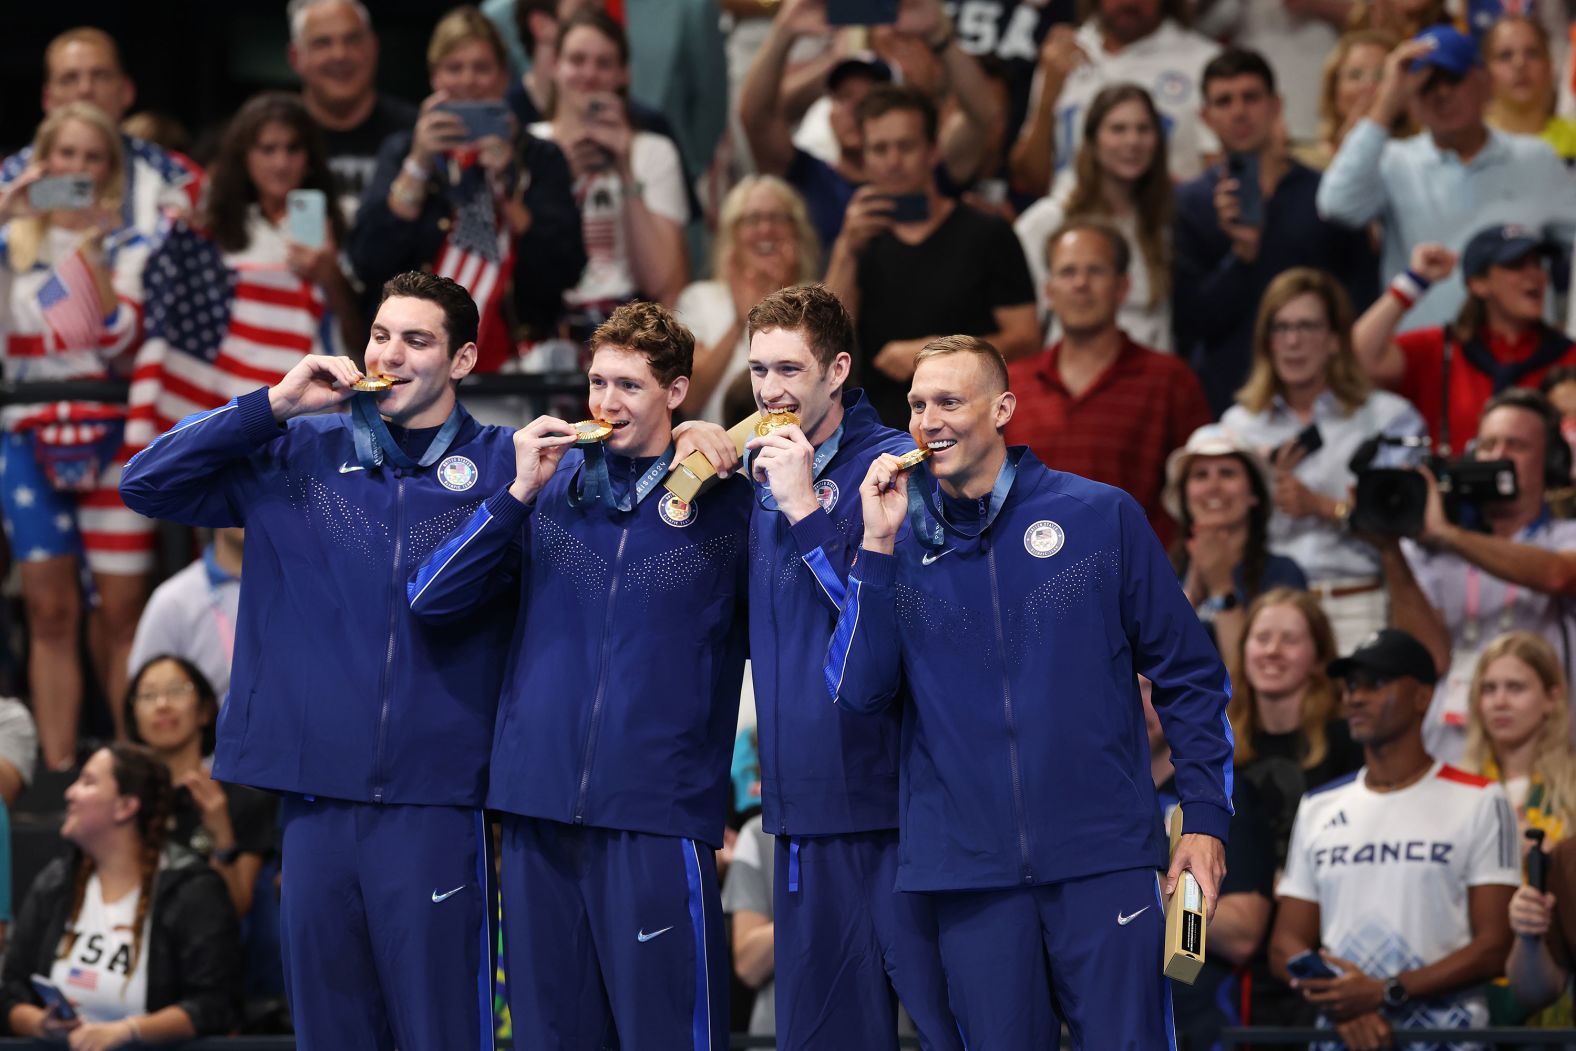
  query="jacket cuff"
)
[
  {"x": 506, "y": 510},
  {"x": 257, "y": 417},
  {"x": 814, "y": 530},
  {"x": 875, "y": 568},
  {"x": 1206, "y": 819}
]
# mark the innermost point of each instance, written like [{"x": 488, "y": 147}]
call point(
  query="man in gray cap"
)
[{"x": 1394, "y": 901}]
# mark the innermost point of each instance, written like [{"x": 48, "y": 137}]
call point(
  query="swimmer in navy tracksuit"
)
[
  {"x": 618, "y": 713},
  {"x": 374, "y": 727},
  {"x": 1018, "y": 610},
  {"x": 845, "y": 938}
]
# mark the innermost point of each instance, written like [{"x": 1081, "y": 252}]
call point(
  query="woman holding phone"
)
[
  {"x": 70, "y": 297},
  {"x": 469, "y": 195},
  {"x": 136, "y": 935},
  {"x": 1307, "y": 407}
]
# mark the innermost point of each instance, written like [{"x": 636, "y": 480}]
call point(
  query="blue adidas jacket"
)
[
  {"x": 1025, "y": 759},
  {"x": 621, "y": 697},
  {"x": 821, "y": 773},
  {"x": 337, "y": 690}
]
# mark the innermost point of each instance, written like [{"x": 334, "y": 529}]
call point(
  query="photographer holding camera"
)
[{"x": 1505, "y": 565}]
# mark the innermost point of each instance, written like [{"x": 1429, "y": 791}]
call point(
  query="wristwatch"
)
[
  {"x": 226, "y": 857},
  {"x": 1395, "y": 994},
  {"x": 1220, "y": 603}
]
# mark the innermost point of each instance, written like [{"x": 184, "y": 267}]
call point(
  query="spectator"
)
[
  {"x": 83, "y": 65},
  {"x": 1521, "y": 69},
  {"x": 1305, "y": 379},
  {"x": 192, "y": 614},
  {"x": 1218, "y": 490},
  {"x": 1559, "y": 386},
  {"x": 1144, "y": 42},
  {"x": 764, "y": 242},
  {"x": 952, "y": 269},
  {"x": 1517, "y": 574},
  {"x": 744, "y": 772},
  {"x": 747, "y": 900},
  {"x": 629, "y": 184},
  {"x": 1498, "y": 340},
  {"x": 1406, "y": 828},
  {"x": 1352, "y": 72},
  {"x": 172, "y": 710},
  {"x": 1540, "y": 963},
  {"x": 1284, "y": 711},
  {"x": 62, "y": 459},
  {"x": 1227, "y": 256},
  {"x": 18, "y": 755},
  {"x": 135, "y": 930},
  {"x": 1120, "y": 178},
  {"x": 1454, "y": 178},
  {"x": 496, "y": 215},
  {"x": 1097, "y": 403},
  {"x": 335, "y": 53}
]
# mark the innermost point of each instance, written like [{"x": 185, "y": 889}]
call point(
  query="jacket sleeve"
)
[
  {"x": 1352, "y": 190},
  {"x": 195, "y": 472},
  {"x": 1172, "y": 649},
  {"x": 863, "y": 665},
  {"x": 381, "y": 243},
  {"x": 827, "y": 553},
  {"x": 206, "y": 940},
  {"x": 550, "y": 256},
  {"x": 25, "y": 952},
  {"x": 472, "y": 563}
]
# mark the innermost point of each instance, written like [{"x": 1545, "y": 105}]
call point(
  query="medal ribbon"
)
[
  {"x": 823, "y": 456},
  {"x": 374, "y": 443},
  {"x": 595, "y": 486},
  {"x": 925, "y": 516}
]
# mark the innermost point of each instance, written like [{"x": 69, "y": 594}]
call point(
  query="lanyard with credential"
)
[
  {"x": 925, "y": 516},
  {"x": 595, "y": 486},
  {"x": 823, "y": 456},
  {"x": 374, "y": 443}
]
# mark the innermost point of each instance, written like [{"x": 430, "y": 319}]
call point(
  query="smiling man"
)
[
  {"x": 375, "y": 728},
  {"x": 1008, "y": 624},
  {"x": 620, "y": 706}
]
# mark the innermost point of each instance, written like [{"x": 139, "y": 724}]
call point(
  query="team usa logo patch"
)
[
  {"x": 677, "y": 513},
  {"x": 826, "y": 494},
  {"x": 457, "y": 474},
  {"x": 1043, "y": 539}
]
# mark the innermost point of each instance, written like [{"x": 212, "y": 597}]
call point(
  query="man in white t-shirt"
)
[{"x": 1401, "y": 872}]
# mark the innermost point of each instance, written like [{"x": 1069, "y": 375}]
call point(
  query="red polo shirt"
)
[
  {"x": 1120, "y": 430},
  {"x": 1470, "y": 389}
]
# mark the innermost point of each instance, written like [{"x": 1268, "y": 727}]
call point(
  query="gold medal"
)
[
  {"x": 772, "y": 419},
  {"x": 913, "y": 458},
  {"x": 589, "y": 432},
  {"x": 374, "y": 384}
]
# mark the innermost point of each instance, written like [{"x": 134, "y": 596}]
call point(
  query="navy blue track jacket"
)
[
  {"x": 1025, "y": 759},
  {"x": 621, "y": 697},
  {"x": 337, "y": 690},
  {"x": 821, "y": 772}
]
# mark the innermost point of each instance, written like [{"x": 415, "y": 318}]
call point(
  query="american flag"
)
[
  {"x": 214, "y": 331},
  {"x": 72, "y": 307},
  {"x": 478, "y": 251},
  {"x": 82, "y": 978}
]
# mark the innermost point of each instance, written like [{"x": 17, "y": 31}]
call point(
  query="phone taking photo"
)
[
  {"x": 61, "y": 193},
  {"x": 861, "y": 12},
  {"x": 1244, "y": 169},
  {"x": 909, "y": 207},
  {"x": 306, "y": 217},
  {"x": 482, "y": 119}
]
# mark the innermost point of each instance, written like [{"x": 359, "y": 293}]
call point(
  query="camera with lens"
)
[{"x": 1392, "y": 500}]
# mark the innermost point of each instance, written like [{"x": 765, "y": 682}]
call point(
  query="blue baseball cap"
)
[
  {"x": 860, "y": 64},
  {"x": 1500, "y": 246},
  {"x": 1453, "y": 52}
]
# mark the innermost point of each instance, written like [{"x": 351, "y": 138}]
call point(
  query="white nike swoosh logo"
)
[
  {"x": 644, "y": 937},
  {"x": 1123, "y": 921},
  {"x": 931, "y": 556},
  {"x": 446, "y": 895},
  {"x": 346, "y": 468}
]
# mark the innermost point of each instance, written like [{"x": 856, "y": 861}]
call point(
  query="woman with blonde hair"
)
[
  {"x": 1308, "y": 408},
  {"x": 70, "y": 303},
  {"x": 1352, "y": 71},
  {"x": 1521, "y": 68},
  {"x": 765, "y": 241}
]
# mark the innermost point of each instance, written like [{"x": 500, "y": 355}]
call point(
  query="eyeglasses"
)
[
  {"x": 178, "y": 692},
  {"x": 764, "y": 218},
  {"x": 1282, "y": 329}
]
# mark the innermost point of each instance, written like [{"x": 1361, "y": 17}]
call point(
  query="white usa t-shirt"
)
[
  {"x": 1390, "y": 873},
  {"x": 97, "y": 973}
]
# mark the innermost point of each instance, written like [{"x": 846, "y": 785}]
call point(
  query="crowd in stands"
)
[{"x": 1280, "y": 269}]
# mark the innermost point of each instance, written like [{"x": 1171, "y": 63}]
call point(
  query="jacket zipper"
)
[
  {"x": 1012, "y": 726},
  {"x": 388, "y": 660},
  {"x": 778, "y": 525},
  {"x": 601, "y": 680}
]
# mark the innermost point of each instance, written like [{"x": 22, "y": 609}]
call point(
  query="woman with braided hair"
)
[{"x": 138, "y": 933}]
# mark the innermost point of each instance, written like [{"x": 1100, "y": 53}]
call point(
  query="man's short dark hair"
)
[
  {"x": 890, "y": 98},
  {"x": 984, "y": 350},
  {"x": 460, "y": 317},
  {"x": 813, "y": 312},
  {"x": 1121, "y": 251},
  {"x": 1237, "y": 62},
  {"x": 650, "y": 329}
]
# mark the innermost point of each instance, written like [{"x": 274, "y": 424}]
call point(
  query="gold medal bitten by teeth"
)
[
  {"x": 589, "y": 432},
  {"x": 773, "y": 419},
  {"x": 912, "y": 458},
  {"x": 381, "y": 382}
]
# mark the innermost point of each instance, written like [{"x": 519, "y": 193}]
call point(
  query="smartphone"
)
[
  {"x": 482, "y": 118},
  {"x": 306, "y": 217},
  {"x": 909, "y": 207},
  {"x": 861, "y": 12},
  {"x": 1310, "y": 964},
  {"x": 53, "y": 998},
  {"x": 1244, "y": 168},
  {"x": 1309, "y": 440},
  {"x": 65, "y": 193}
]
